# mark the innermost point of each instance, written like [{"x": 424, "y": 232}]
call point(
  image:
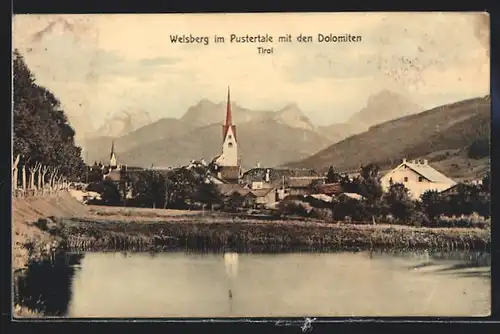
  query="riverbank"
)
[
  {"x": 255, "y": 234},
  {"x": 29, "y": 241},
  {"x": 43, "y": 225}
]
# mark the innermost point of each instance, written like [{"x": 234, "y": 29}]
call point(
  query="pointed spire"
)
[
  {"x": 112, "y": 148},
  {"x": 229, "y": 116}
]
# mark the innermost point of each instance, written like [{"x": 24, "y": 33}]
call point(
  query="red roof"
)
[{"x": 229, "y": 118}]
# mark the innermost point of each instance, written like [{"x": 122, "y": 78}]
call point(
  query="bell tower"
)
[
  {"x": 112, "y": 157},
  {"x": 229, "y": 156}
]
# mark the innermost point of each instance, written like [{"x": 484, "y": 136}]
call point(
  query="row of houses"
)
[{"x": 266, "y": 187}]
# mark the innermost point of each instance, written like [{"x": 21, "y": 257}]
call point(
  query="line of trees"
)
[
  {"x": 468, "y": 205},
  {"x": 180, "y": 188},
  {"x": 36, "y": 180},
  {"x": 43, "y": 139}
]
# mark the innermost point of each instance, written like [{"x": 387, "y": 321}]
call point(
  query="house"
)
[
  {"x": 322, "y": 197},
  {"x": 275, "y": 177},
  {"x": 260, "y": 185},
  {"x": 261, "y": 197},
  {"x": 304, "y": 185},
  {"x": 228, "y": 189},
  {"x": 342, "y": 197},
  {"x": 329, "y": 188},
  {"x": 418, "y": 177},
  {"x": 464, "y": 187},
  {"x": 454, "y": 190}
]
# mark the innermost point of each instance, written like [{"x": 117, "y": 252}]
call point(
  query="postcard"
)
[{"x": 251, "y": 165}]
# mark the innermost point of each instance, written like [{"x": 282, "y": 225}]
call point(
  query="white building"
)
[
  {"x": 418, "y": 177},
  {"x": 229, "y": 156},
  {"x": 227, "y": 164}
]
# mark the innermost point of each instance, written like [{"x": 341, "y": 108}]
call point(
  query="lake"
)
[{"x": 264, "y": 285}]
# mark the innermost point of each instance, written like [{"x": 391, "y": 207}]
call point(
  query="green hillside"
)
[{"x": 449, "y": 127}]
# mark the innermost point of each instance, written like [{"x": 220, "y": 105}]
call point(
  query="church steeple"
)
[
  {"x": 112, "y": 155},
  {"x": 229, "y": 156},
  {"x": 229, "y": 118}
]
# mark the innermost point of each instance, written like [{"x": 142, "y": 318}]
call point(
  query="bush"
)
[
  {"x": 321, "y": 213},
  {"x": 293, "y": 208},
  {"x": 472, "y": 220},
  {"x": 418, "y": 218}
]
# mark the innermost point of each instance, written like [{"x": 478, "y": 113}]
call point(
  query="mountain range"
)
[
  {"x": 441, "y": 135},
  {"x": 270, "y": 138}
]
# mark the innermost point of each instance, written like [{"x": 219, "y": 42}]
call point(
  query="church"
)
[
  {"x": 226, "y": 167},
  {"x": 113, "y": 171}
]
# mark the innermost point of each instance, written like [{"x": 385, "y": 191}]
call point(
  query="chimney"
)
[
  {"x": 426, "y": 162},
  {"x": 404, "y": 160}
]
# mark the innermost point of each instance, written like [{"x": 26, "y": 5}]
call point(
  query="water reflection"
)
[
  {"x": 46, "y": 286},
  {"x": 231, "y": 265},
  {"x": 245, "y": 285}
]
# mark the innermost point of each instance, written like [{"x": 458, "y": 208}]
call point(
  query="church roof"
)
[
  {"x": 112, "y": 154},
  {"x": 113, "y": 175},
  {"x": 229, "y": 189},
  {"x": 229, "y": 118},
  {"x": 303, "y": 181},
  {"x": 229, "y": 172}
]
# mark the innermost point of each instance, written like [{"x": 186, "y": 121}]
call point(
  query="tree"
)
[
  {"x": 41, "y": 132},
  {"x": 479, "y": 148},
  {"x": 181, "y": 186},
  {"x": 400, "y": 204},
  {"x": 369, "y": 186},
  {"x": 209, "y": 194},
  {"x": 234, "y": 201},
  {"x": 149, "y": 188},
  {"x": 433, "y": 204},
  {"x": 332, "y": 176},
  {"x": 486, "y": 183},
  {"x": 110, "y": 193}
]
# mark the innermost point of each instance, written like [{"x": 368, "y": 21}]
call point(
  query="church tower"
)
[
  {"x": 112, "y": 157},
  {"x": 229, "y": 156}
]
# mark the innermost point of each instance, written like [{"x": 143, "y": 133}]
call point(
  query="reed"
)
[{"x": 269, "y": 236}]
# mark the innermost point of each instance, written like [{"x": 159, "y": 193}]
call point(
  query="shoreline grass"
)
[{"x": 214, "y": 233}]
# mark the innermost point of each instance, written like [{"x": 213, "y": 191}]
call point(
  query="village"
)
[
  {"x": 344, "y": 179},
  {"x": 274, "y": 188}
]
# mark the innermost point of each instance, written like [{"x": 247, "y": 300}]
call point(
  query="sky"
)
[{"x": 100, "y": 65}]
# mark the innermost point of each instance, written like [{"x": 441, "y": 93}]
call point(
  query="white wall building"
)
[
  {"x": 229, "y": 155},
  {"x": 418, "y": 177}
]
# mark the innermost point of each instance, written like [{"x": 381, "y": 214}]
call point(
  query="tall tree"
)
[
  {"x": 369, "y": 183},
  {"x": 400, "y": 204},
  {"x": 149, "y": 188},
  {"x": 332, "y": 176},
  {"x": 41, "y": 132}
]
